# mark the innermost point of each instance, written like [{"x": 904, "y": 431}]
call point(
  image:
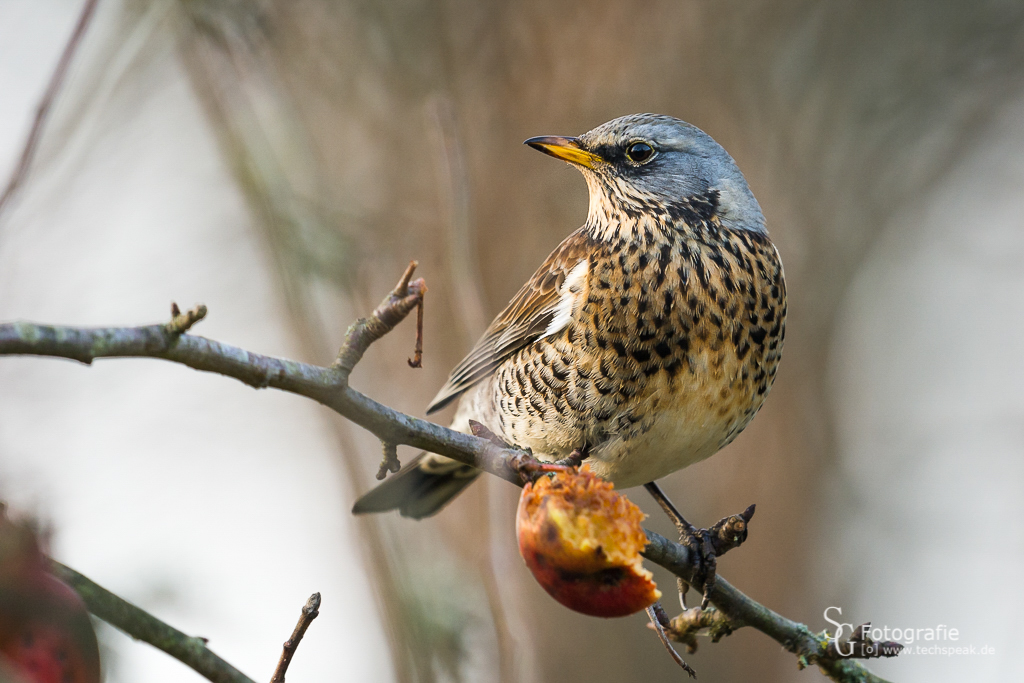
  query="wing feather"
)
[{"x": 536, "y": 311}]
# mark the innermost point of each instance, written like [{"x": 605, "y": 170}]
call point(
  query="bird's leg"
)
[
  {"x": 706, "y": 544},
  {"x": 687, "y": 535}
]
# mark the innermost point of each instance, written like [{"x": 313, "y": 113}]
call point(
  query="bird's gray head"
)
[{"x": 639, "y": 162}]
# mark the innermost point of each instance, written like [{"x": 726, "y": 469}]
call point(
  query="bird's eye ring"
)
[{"x": 639, "y": 152}]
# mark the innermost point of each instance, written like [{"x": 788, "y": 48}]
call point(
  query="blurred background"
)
[{"x": 282, "y": 160}]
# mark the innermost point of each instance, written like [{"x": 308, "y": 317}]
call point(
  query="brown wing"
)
[{"x": 523, "y": 321}]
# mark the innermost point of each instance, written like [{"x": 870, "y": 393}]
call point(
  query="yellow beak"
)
[{"x": 567, "y": 149}]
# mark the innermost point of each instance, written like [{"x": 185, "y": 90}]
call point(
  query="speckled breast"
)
[{"x": 671, "y": 350}]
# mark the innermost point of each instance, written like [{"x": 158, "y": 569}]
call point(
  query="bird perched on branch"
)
[{"x": 646, "y": 341}]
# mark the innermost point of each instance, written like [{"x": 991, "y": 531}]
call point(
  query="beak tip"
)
[{"x": 566, "y": 149}]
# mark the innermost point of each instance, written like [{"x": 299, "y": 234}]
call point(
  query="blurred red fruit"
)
[
  {"x": 582, "y": 541},
  {"x": 45, "y": 632}
]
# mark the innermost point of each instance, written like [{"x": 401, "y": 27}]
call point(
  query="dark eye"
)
[{"x": 639, "y": 152}]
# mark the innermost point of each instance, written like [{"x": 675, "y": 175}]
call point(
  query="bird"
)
[{"x": 646, "y": 341}]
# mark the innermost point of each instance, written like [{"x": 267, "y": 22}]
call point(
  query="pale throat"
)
[{"x": 615, "y": 212}]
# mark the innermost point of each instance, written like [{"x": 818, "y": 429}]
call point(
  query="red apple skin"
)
[
  {"x": 581, "y": 541},
  {"x": 608, "y": 592}
]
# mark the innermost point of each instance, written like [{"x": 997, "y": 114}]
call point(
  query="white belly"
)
[{"x": 696, "y": 424}]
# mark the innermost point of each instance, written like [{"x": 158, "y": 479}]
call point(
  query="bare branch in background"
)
[
  {"x": 463, "y": 261},
  {"x": 46, "y": 104},
  {"x": 143, "y": 626},
  {"x": 310, "y": 611},
  {"x": 229, "y": 65},
  {"x": 329, "y": 386}
]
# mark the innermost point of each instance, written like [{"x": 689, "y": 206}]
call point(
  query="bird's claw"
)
[
  {"x": 698, "y": 541},
  {"x": 708, "y": 544},
  {"x": 574, "y": 459},
  {"x": 525, "y": 465},
  {"x": 529, "y": 468},
  {"x": 705, "y": 544}
]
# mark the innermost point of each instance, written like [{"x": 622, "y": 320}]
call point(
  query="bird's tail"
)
[{"x": 422, "y": 488}]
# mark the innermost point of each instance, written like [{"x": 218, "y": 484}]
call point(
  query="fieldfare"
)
[{"x": 648, "y": 339}]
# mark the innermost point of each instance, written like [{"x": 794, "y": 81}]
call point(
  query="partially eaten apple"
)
[{"x": 582, "y": 541}]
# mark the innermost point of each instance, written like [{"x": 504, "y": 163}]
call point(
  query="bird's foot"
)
[
  {"x": 527, "y": 466},
  {"x": 705, "y": 544},
  {"x": 575, "y": 459},
  {"x": 568, "y": 464},
  {"x": 530, "y": 468}
]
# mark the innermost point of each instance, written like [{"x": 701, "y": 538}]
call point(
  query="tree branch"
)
[
  {"x": 143, "y": 626},
  {"x": 809, "y": 647},
  {"x": 310, "y": 611},
  {"x": 329, "y": 386},
  {"x": 46, "y": 103},
  {"x": 326, "y": 385}
]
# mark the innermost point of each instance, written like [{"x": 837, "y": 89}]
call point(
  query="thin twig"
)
[
  {"x": 143, "y": 626},
  {"x": 417, "y": 355},
  {"x": 483, "y": 432},
  {"x": 182, "y": 322},
  {"x": 46, "y": 104},
  {"x": 683, "y": 628},
  {"x": 396, "y": 306},
  {"x": 310, "y": 611},
  {"x": 329, "y": 386},
  {"x": 389, "y": 462},
  {"x": 659, "y": 620}
]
